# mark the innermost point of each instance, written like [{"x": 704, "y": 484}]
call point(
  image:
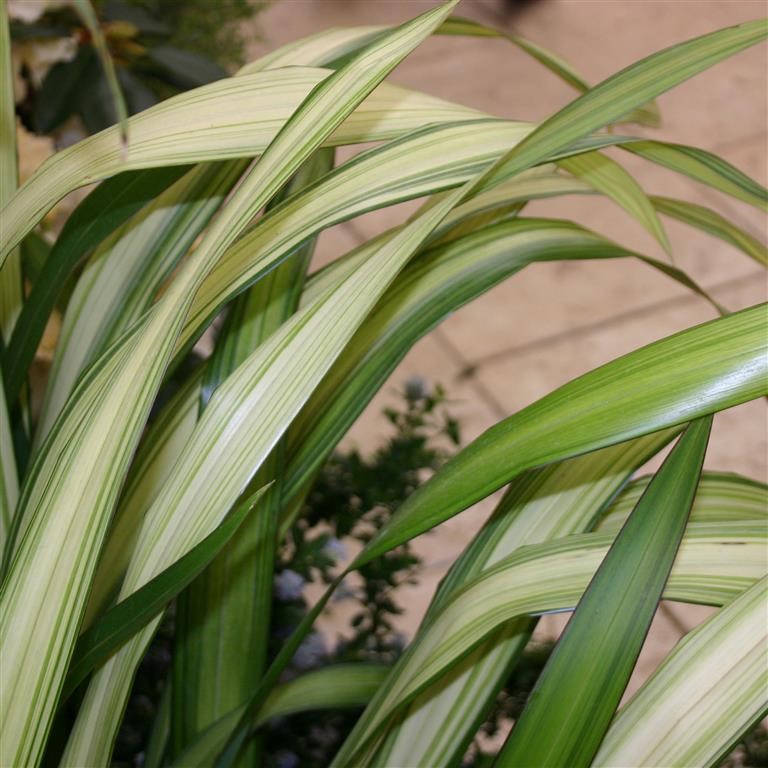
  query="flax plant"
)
[{"x": 143, "y": 480}]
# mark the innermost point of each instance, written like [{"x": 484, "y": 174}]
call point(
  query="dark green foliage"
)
[
  {"x": 353, "y": 498},
  {"x": 159, "y": 48}
]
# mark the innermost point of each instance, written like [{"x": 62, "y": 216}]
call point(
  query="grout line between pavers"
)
[
  {"x": 600, "y": 325},
  {"x": 455, "y": 355}
]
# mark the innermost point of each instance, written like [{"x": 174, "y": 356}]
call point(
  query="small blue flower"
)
[
  {"x": 286, "y": 759},
  {"x": 335, "y": 549},
  {"x": 417, "y": 387},
  {"x": 288, "y": 585},
  {"x": 311, "y": 652}
]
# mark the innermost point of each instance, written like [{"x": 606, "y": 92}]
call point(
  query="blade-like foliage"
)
[
  {"x": 573, "y": 701},
  {"x": 540, "y": 505},
  {"x": 703, "y": 166},
  {"x": 712, "y": 222},
  {"x": 720, "y": 497},
  {"x": 607, "y": 176},
  {"x": 126, "y": 618},
  {"x": 685, "y": 376},
  {"x": 706, "y": 693},
  {"x": 223, "y": 619},
  {"x": 547, "y": 503},
  {"x": 146, "y": 458},
  {"x": 120, "y": 280},
  {"x": 11, "y": 296},
  {"x": 334, "y": 687},
  {"x": 102, "y": 212},
  {"x": 232, "y": 118},
  {"x": 551, "y": 577},
  {"x": 83, "y": 462}
]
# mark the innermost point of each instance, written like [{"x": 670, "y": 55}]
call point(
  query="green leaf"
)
[
  {"x": 151, "y": 467},
  {"x": 11, "y": 296},
  {"x": 184, "y": 510},
  {"x": 339, "y": 686},
  {"x": 186, "y": 68},
  {"x": 704, "y": 167},
  {"x": 232, "y": 118},
  {"x": 35, "y": 250},
  {"x": 228, "y": 608},
  {"x": 645, "y": 115},
  {"x": 88, "y": 15},
  {"x": 546, "y": 578},
  {"x": 58, "y": 94},
  {"x": 126, "y": 618},
  {"x": 545, "y": 503},
  {"x": 540, "y": 505},
  {"x": 574, "y": 699},
  {"x": 9, "y": 480},
  {"x": 436, "y": 284},
  {"x": 612, "y": 99},
  {"x": 120, "y": 280},
  {"x": 721, "y": 496},
  {"x": 705, "y": 694},
  {"x": 427, "y": 161},
  {"x": 105, "y": 209},
  {"x": 709, "y": 221},
  {"x": 72, "y": 488},
  {"x": 690, "y": 374},
  {"x": 610, "y": 178}
]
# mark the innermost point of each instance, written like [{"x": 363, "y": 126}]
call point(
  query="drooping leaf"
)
[
  {"x": 709, "y": 221},
  {"x": 10, "y": 278},
  {"x": 647, "y": 114},
  {"x": 72, "y": 488},
  {"x": 223, "y": 619},
  {"x": 231, "y": 118},
  {"x": 120, "y": 280},
  {"x": 704, "y": 167},
  {"x": 334, "y": 687},
  {"x": 540, "y": 505},
  {"x": 610, "y": 178},
  {"x": 613, "y": 98},
  {"x": 690, "y": 374},
  {"x": 551, "y": 577},
  {"x": 302, "y": 134}
]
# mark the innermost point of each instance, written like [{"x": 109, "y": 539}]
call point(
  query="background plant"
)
[
  {"x": 159, "y": 49},
  {"x": 148, "y": 488}
]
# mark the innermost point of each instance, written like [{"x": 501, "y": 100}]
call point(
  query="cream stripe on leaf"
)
[{"x": 72, "y": 489}]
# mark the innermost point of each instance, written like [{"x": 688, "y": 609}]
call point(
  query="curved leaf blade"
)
[
  {"x": 232, "y": 118},
  {"x": 716, "y": 365},
  {"x": 105, "y": 209},
  {"x": 125, "y": 619},
  {"x": 576, "y": 695},
  {"x": 712, "y": 222},
  {"x": 551, "y": 577},
  {"x": 705, "y": 694}
]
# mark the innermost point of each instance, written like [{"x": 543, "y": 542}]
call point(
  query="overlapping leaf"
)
[
  {"x": 706, "y": 693},
  {"x": 73, "y": 486},
  {"x": 579, "y": 689},
  {"x": 552, "y": 577}
]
